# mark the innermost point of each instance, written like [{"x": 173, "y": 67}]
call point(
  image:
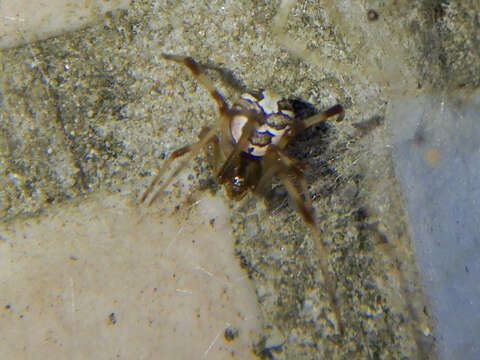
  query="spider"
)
[{"x": 248, "y": 150}]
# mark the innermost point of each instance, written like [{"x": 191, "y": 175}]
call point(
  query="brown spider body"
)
[
  {"x": 248, "y": 147},
  {"x": 272, "y": 119},
  {"x": 274, "y": 123}
]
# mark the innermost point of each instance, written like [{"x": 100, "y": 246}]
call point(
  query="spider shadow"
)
[
  {"x": 227, "y": 77},
  {"x": 310, "y": 148}
]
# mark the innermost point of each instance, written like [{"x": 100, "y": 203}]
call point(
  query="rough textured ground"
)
[{"x": 91, "y": 110}]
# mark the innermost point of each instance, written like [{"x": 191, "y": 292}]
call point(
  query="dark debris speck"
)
[{"x": 230, "y": 334}]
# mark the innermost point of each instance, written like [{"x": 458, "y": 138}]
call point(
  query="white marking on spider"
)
[
  {"x": 269, "y": 103},
  {"x": 236, "y": 127},
  {"x": 249, "y": 97},
  {"x": 257, "y": 150},
  {"x": 275, "y": 133},
  {"x": 288, "y": 113}
]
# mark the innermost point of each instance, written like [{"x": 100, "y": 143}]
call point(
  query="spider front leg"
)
[
  {"x": 318, "y": 118},
  {"x": 197, "y": 71},
  {"x": 280, "y": 164},
  {"x": 207, "y": 135},
  {"x": 232, "y": 151}
]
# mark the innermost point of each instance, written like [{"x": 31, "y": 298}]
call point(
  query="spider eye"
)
[
  {"x": 237, "y": 186},
  {"x": 238, "y": 181}
]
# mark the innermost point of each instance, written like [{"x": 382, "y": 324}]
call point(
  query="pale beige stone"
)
[
  {"x": 106, "y": 278},
  {"x": 26, "y": 20}
]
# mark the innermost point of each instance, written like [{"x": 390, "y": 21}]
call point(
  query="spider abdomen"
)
[{"x": 272, "y": 115}]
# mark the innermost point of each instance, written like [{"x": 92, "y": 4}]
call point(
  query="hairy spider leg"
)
[
  {"x": 207, "y": 135},
  {"x": 179, "y": 153},
  {"x": 283, "y": 165},
  {"x": 318, "y": 118},
  {"x": 291, "y": 164},
  {"x": 217, "y": 153},
  {"x": 176, "y": 154},
  {"x": 196, "y": 70},
  {"x": 306, "y": 208}
]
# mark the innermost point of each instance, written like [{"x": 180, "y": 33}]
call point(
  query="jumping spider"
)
[{"x": 248, "y": 144}]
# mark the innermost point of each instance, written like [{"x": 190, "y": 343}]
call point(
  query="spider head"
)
[{"x": 236, "y": 187}]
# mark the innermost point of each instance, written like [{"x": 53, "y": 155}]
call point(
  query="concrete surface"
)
[{"x": 436, "y": 153}]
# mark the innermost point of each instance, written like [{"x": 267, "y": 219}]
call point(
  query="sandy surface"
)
[{"x": 23, "y": 20}]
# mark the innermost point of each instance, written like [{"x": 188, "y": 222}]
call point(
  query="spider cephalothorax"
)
[{"x": 248, "y": 145}]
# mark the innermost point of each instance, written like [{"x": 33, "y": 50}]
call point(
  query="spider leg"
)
[
  {"x": 206, "y": 135},
  {"x": 318, "y": 118},
  {"x": 197, "y": 71},
  {"x": 214, "y": 140},
  {"x": 282, "y": 165},
  {"x": 176, "y": 154},
  {"x": 220, "y": 148}
]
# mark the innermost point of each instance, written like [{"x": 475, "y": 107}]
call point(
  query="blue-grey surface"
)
[{"x": 436, "y": 152}]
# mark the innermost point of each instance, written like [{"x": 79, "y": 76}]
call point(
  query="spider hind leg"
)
[{"x": 283, "y": 166}]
